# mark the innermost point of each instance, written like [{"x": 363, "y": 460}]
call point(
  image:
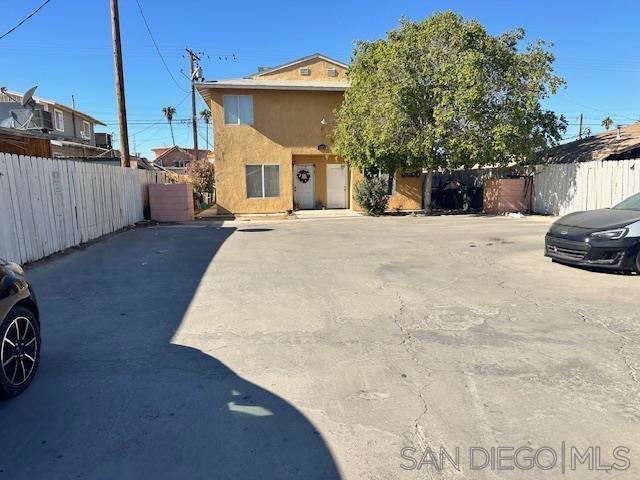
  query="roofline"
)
[
  {"x": 299, "y": 60},
  {"x": 228, "y": 86},
  {"x": 184, "y": 150},
  {"x": 171, "y": 149},
  {"x": 181, "y": 147},
  {"x": 59, "y": 105}
]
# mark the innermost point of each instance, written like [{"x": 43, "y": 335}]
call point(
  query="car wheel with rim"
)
[
  {"x": 637, "y": 262},
  {"x": 19, "y": 351}
]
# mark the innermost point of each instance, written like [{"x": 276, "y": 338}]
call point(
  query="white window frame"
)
[
  {"x": 86, "y": 129},
  {"x": 55, "y": 119},
  {"x": 237, "y": 99},
  {"x": 262, "y": 165}
]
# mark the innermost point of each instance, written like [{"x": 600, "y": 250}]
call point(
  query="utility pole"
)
[
  {"x": 73, "y": 115},
  {"x": 119, "y": 73},
  {"x": 194, "y": 119},
  {"x": 580, "y": 129}
]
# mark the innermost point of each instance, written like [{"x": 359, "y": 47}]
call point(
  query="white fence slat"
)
[
  {"x": 8, "y": 234},
  {"x": 564, "y": 188},
  {"x": 48, "y": 205},
  {"x": 12, "y": 170}
]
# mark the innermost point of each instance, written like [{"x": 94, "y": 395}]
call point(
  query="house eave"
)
[{"x": 258, "y": 86}]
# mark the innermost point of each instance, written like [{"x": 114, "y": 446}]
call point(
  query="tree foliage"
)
[
  {"x": 169, "y": 112},
  {"x": 444, "y": 93},
  {"x": 607, "y": 122},
  {"x": 202, "y": 175}
]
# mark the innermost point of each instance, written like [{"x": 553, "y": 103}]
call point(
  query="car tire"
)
[
  {"x": 636, "y": 263},
  {"x": 19, "y": 351}
]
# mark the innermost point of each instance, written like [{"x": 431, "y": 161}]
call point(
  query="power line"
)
[
  {"x": 162, "y": 120},
  {"x": 146, "y": 24},
  {"x": 25, "y": 19}
]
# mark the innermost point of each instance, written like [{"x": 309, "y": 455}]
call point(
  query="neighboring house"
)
[
  {"x": 72, "y": 132},
  {"x": 177, "y": 158},
  {"x": 272, "y": 134},
  {"x": 620, "y": 143}
]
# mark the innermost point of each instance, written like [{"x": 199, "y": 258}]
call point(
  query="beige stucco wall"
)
[
  {"x": 408, "y": 194},
  {"x": 286, "y": 123},
  {"x": 318, "y": 71}
]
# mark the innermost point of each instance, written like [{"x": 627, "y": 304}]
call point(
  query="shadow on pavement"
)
[{"x": 114, "y": 399}]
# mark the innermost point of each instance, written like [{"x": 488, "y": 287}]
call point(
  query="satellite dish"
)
[{"x": 27, "y": 98}]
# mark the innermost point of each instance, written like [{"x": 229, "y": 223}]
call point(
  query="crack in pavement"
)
[{"x": 633, "y": 372}]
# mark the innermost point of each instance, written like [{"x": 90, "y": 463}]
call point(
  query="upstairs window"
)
[
  {"x": 238, "y": 109},
  {"x": 86, "y": 129},
  {"x": 58, "y": 120},
  {"x": 263, "y": 181}
]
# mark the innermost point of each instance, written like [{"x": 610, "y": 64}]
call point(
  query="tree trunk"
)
[
  {"x": 172, "y": 139},
  {"x": 428, "y": 185}
]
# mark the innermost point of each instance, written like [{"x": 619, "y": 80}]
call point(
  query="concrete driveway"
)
[{"x": 322, "y": 349}]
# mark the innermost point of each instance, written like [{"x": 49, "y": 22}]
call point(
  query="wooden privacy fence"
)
[
  {"x": 564, "y": 188},
  {"x": 48, "y": 205}
]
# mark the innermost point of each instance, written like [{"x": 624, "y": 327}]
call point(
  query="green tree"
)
[
  {"x": 206, "y": 116},
  {"x": 444, "y": 93},
  {"x": 607, "y": 122},
  {"x": 169, "y": 112}
]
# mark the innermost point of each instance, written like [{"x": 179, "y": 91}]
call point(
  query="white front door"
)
[
  {"x": 303, "y": 186},
  {"x": 337, "y": 176}
]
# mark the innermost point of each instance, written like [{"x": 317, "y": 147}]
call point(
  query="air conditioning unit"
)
[
  {"x": 305, "y": 71},
  {"x": 42, "y": 120},
  {"x": 103, "y": 140},
  {"x": 26, "y": 119}
]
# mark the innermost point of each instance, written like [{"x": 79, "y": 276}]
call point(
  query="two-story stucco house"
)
[{"x": 272, "y": 134}]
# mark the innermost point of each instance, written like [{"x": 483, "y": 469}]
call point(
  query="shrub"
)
[
  {"x": 371, "y": 194},
  {"x": 202, "y": 175}
]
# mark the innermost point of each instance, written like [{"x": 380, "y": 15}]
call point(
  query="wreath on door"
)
[{"x": 304, "y": 176}]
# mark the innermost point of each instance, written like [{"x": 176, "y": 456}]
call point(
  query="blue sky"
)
[{"x": 66, "y": 49}]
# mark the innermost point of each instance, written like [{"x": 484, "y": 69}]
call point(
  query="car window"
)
[{"x": 631, "y": 203}]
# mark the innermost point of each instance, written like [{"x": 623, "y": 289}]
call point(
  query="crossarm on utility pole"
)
[{"x": 194, "y": 119}]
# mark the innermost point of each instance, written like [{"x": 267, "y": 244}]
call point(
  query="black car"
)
[
  {"x": 19, "y": 331},
  {"x": 608, "y": 238}
]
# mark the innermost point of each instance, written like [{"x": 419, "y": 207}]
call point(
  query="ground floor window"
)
[{"x": 262, "y": 181}]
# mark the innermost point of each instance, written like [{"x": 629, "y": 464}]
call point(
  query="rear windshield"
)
[{"x": 631, "y": 203}]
